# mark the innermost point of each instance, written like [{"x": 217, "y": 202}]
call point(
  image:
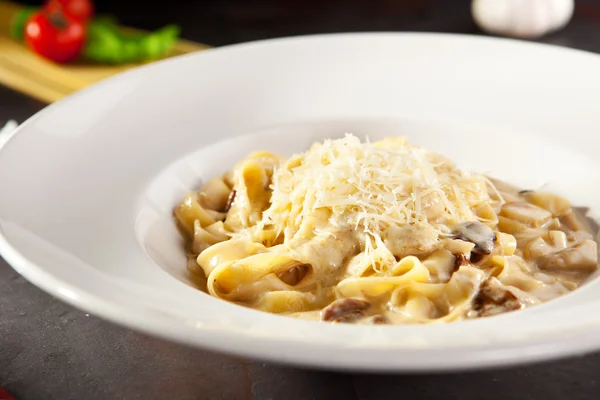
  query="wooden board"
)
[{"x": 28, "y": 73}]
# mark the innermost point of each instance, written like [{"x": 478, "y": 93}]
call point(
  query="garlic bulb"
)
[{"x": 526, "y": 19}]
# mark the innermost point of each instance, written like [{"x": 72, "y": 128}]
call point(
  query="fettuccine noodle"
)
[{"x": 380, "y": 232}]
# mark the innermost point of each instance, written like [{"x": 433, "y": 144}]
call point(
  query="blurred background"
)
[
  {"x": 221, "y": 22},
  {"x": 29, "y": 65}
]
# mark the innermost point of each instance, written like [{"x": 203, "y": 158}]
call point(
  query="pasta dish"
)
[{"x": 380, "y": 233}]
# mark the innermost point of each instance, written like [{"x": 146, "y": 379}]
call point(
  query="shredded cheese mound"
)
[{"x": 372, "y": 187}]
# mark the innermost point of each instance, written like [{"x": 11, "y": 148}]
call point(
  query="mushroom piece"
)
[
  {"x": 581, "y": 257},
  {"x": 294, "y": 272},
  {"x": 345, "y": 310},
  {"x": 482, "y": 236},
  {"x": 379, "y": 319},
  {"x": 460, "y": 260},
  {"x": 494, "y": 299}
]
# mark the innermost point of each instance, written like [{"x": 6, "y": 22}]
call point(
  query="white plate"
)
[{"x": 87, "y": 185}]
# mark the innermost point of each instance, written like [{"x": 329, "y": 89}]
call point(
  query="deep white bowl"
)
[{"x": 88, "y": 184}]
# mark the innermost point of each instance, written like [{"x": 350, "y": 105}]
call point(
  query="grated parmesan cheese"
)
[{"x": 371, "y": 187}]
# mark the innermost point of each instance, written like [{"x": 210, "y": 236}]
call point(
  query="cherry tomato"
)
[
  {"x": 82, "y": 10},
  {"x": 4, "y": 395},
  {"x": 55, "y": 36}
]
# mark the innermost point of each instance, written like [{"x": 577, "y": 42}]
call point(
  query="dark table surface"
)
[{"x": 49, "y": 350}]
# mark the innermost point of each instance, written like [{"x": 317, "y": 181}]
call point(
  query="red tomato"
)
[
  {"x": 55, "y": 36},
  {"x": 82, "y": 10},
  {"x": 4, "y": 395}
]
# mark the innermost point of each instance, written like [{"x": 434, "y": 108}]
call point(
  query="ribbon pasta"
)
[{"x": 377, "y": 233}]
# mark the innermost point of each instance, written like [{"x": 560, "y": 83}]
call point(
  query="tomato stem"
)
[{"x": 57, "y": 19}]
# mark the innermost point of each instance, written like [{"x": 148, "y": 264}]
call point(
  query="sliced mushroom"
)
[
  {"x": 379, "y": 319},
  {"x": 493, "y": 298},
  {"x": 581, "y": 257},
  {"x": 476, "y": 258},
  {"x": 482, "y": 236},
  {"x": 345, "y": 310},
  {"x": 460, "y": 260},
  {"x": 294, "y": 273},
  {"x": 350, "y": 317}
]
